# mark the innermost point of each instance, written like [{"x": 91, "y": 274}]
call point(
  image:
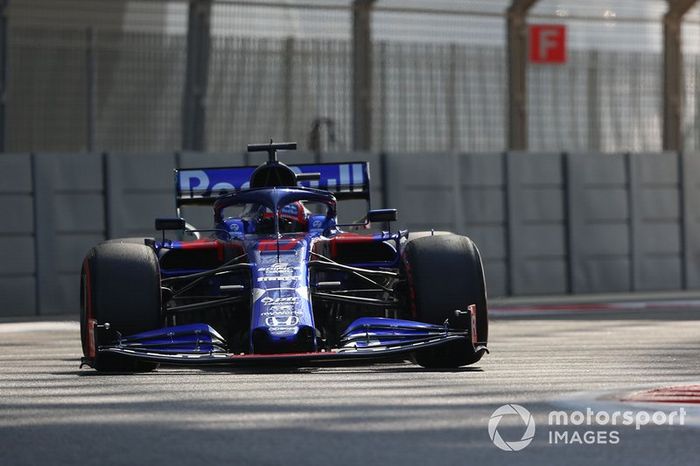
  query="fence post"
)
[
  {"x": 456, "y": 165},
  {"x": 362, "y": 74},
  {"x": 451, "y": 103},
  {"x": 3, "y": 70},
  {"x": 196, "y": 79},
  {"x": 673, "y": 73},
  {"x": 593, "y": 101},
  {"x": 90, "y": 89},
  {"x": 383, "y": 98},
  {"x": 288, "y": 84},
  {"x": 110, "y": 195},
  {"x": 517, "y": 73}
]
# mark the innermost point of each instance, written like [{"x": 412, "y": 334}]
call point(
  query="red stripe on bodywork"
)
[
  {"x": 353, "y": 238},
  {"x": 199, "y": 244},
  {"x": 205, "y": 244},
  {"x": 271, "y": 244},
  {"x": 347, "y": 238}
]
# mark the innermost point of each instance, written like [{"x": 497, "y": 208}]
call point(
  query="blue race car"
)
[{"x": 277, "y": 281}]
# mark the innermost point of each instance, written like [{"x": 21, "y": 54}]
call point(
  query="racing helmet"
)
[{"x": 293, "y": 218}]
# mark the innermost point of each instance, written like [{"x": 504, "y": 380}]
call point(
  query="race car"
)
[{"x": 278, "y": 280}]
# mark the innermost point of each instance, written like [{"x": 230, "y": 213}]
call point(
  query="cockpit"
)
[{"x": 276, "y": 211}]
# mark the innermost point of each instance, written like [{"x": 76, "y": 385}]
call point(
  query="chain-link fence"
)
[
  {"x": 284, "y": 71},
  {"x": 262, "y": 88}
]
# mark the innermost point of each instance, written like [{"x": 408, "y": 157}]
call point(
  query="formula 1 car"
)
[{"x": 277, "y": 281}]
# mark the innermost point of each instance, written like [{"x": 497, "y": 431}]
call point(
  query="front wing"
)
[
  {"x": 341, "y": 355},
  {"x": 366, "y": 340}
]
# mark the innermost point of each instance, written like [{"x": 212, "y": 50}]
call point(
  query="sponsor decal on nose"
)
[{"x": 282, "y": 321}]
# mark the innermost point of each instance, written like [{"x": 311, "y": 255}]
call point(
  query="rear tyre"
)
[
  {"x": 130, "y": 240},
  {"x": 414, "y": 235},
  {"x": 445, "y": 273},
  {"x": 120, "y": 284}
]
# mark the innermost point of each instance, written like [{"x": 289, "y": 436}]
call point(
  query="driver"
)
[{"x": 293, "y": 218}]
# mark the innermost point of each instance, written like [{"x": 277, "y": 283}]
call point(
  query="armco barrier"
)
[{"x": 545, "y": 223}]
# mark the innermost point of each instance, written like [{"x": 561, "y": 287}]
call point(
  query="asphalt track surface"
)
[{"x": 53, "y": 413}]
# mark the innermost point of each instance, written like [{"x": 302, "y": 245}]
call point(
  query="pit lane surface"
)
[{"x": 53, "y": 413}]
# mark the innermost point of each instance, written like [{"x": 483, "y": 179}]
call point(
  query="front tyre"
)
[
  {"x": 444, "y": 273},
  {"x": 119, "y": 285}
]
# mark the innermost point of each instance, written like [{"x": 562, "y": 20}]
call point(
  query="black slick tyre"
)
[
  {"x": 119, "y": 285},
  {"x": 444, "y": 274}
]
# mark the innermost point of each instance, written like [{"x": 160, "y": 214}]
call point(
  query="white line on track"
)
[
  {"x": 23, "y": 327},
  {"x": 549, "y": 309}
]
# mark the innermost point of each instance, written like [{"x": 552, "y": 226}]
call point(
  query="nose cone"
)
[{"x": 283, "y": 339}]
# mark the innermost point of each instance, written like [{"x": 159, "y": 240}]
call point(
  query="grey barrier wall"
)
[
  {"x": 545, "y": 223},
  {"x": 690, "y": 215},
  {"x": 17, "y": 253},
  {"x": 657, "y": 222},
  {"x": 139, "y": 187},
  {"x": 69, "y": 214},
  {"x": 455, "y": 193},
  {"x": 537, "y": 244}
]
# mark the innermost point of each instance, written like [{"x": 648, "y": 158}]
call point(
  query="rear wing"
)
[{"x": 202, "y": 186}]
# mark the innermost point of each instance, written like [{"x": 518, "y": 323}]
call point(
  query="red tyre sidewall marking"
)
[
  {"x": 411, "y": 287},
  {"x": 89, "y": 319}
]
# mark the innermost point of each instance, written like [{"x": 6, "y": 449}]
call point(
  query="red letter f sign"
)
[{"x": 547, "y": 43}]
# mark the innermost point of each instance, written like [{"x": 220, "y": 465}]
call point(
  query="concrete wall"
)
[
  {"x": 454, "y": 192},
  {"x": 545, "y": 223},
  {"x": 536, "y": 224},
  {"x": 690, "y": 214},
  {"x": 17, "y": 253},
  {"x": 69, "y": 213}
]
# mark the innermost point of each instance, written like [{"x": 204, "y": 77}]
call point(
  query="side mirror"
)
[
  {"x": 382, "y": 215},
  {"x": 170, "y": 224}
]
